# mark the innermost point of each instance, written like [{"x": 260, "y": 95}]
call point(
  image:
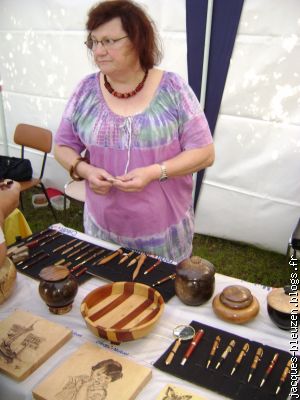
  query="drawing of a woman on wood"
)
[{"x": 93, "y": 386}]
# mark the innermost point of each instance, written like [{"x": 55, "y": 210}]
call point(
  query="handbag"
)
[{"x": 17, "y": 169}]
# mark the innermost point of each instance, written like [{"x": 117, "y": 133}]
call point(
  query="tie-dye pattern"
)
[{"x": 159, "y": 219}]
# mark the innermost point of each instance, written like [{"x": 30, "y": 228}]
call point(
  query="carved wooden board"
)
[
  {"x": 91, "y": 372},
  {"x": 171, "y": 392},
  {"x": 26, "y": 341}
]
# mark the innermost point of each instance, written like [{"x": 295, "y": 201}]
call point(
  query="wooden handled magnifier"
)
[{"x": 182, "y": 332}]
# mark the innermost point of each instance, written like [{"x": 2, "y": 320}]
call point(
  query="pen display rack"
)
[
  {"x": 51, "y": 247},
  {"x": 235, "y": 386}
]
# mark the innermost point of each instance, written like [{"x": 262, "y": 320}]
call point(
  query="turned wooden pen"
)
[
  {"x": 139, "y": 266},
  {"x": 77, "y": 266},
  {"x": 284, "y": 375},
  {"x": 133, "y": 261},
  {"x": 78, "y": 250},
  {"x": 240, "y": 357},
  {"x": 270, "y": 368},
  {"x": 152, "y": 267},
  {"x": 45, "y": 255},
  {"x": 213, "y": 350},
  {"x": 51, "y": 238},
  {"x": 173, "y": 351},
  {"x": 258, "y": 355},
  {"x": 192, "y": 346},
  {"x": 165, "y": 279},
  {"x": 110, "y": 257},
  {"x": 125, "y": 257},
  {"x": 225, "y": 353},
  {"x": 62, "y": 246}
]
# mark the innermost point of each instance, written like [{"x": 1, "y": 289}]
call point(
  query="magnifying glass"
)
[{"x": 182, "y": 333}]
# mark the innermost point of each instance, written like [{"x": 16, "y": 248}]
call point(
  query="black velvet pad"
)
[
  {"x": 111, "y": 271},
  {"x": 220, "y": 380},
  {"x": 121, "y": 272}
]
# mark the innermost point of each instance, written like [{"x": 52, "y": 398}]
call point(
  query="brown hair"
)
[
  {"x": 137, "y": 24},
  {"x": 111, "y": 367}
]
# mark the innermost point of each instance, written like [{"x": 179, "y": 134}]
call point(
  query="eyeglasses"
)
[{"x": 107, "y": 43}]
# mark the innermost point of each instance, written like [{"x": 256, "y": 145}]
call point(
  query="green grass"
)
[{"x": 230, "y": 258}]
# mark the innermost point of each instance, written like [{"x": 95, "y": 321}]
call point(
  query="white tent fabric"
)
[{"x": 251, "y": 193}]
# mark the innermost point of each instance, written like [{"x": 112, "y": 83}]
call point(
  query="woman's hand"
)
[
  {"x": 99, "y": 180},
  {"x": 137, "y": 179}
]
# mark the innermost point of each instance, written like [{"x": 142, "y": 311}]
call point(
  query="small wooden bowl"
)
[
  {"x": 235, "y": 304},
  {"x": 8, "y": 275},
  {"x": 122, "y": 311}
]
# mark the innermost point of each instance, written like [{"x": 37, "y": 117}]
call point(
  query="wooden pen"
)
[
  {"x": 152, "y": 267},
  {"x": 139, "y": 265},
  {"x": 110, "y": 257},
  {"x": 213, "y": 350},
  {"x": 134, "y": 260},
  {"x": 125, "y": 257},
  {"x": 192, "y": 346},
  {"x": 225, "y": 353},
  {"x": 165, "y": 279},
  {"x": 270, "y": 368}
]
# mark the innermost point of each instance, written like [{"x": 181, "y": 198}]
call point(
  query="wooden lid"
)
[
  {"x": 236, "y": 296},
  {"x": 281, "y": 299},
  {"x": 54, "y": 273},
  {"x": 196, "y": 268}
]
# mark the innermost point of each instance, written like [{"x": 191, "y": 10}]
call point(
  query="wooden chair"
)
[
  {"x": 40, "y": 139},
  {"x": 74, "y": 190}
]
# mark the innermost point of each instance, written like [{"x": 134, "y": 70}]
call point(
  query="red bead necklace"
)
[{"x": 125, "y": 95}]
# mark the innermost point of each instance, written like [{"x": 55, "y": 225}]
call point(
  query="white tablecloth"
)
[{"x": 144, "y": 351}]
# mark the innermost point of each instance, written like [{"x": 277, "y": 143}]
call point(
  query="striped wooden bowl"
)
[{"x": 122, "y": 311}]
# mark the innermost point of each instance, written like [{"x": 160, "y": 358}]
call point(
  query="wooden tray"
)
[{"x": 122, "y": 311}]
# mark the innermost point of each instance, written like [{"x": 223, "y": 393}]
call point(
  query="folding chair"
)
[{"x": 39, "y": 139}]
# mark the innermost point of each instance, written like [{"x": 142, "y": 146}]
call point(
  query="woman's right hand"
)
[{"x": 99, "y": 180}]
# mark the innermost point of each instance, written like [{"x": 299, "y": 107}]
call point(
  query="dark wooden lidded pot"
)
[
  {"x": 282, "y": 306},
  {"x": 195, "y": 280},
  {"x": 235, "y": 304},
  {"x": 58, "y": 288}
]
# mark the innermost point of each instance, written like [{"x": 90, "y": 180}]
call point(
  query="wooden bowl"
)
[
  {"x": 122, "y": 311},
  {"x": 8, "y": 275}
]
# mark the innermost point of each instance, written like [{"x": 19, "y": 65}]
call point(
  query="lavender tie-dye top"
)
[{"x": 159, "y": 220}]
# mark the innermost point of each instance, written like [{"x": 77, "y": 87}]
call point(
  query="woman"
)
[
  {"x": 144, "y": 135},
  {"x": 93, "y": 386}
]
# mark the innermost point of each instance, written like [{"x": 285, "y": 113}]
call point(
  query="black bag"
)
[{"x": 18, "y": 169}]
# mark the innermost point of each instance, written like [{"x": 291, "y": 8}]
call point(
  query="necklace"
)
[{"x": 125, "y": 95}]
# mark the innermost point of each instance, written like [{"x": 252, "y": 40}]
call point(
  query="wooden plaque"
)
[
  {"x": 26, "y": 341},
  {"x": 91, "y": 372},
  {"x": 171, "y": 392}
]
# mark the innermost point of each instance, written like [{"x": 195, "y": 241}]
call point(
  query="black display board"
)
[
  {"x": 52, "y": 245},
  {"x": 220, "y": 380}
]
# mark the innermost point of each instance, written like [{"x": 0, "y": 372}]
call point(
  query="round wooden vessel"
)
[
  {"x": 122, "y": 311},
  {"x": 235, "y": 304},
  {"x": 8, "y": 274},
  {"x": 58, "y": 288},
  {"x": 195, "y": 281},
  {"x": 281, "y": 304}
]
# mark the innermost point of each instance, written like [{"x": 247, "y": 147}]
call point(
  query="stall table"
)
[{"x": 145, "y": 351}]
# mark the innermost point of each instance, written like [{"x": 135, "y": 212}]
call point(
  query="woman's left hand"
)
[{"x": 137, "y": 179}]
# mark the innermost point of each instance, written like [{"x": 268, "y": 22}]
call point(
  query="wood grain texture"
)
[
  {"x": 26, "y": 341},
  {"x": 122, "y": 311},
  {"x": 75, "y": 377}
]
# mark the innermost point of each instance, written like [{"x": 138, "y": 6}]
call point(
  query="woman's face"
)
[
  {"x": 100, "y": 377},
  {"x": 118, "y": 57}
]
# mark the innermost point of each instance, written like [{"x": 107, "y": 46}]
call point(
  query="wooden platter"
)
[
  {"x": 122, "y": 311},
  {"x": 93, "y": 373},
  {"x": 26, "y": 341}
]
